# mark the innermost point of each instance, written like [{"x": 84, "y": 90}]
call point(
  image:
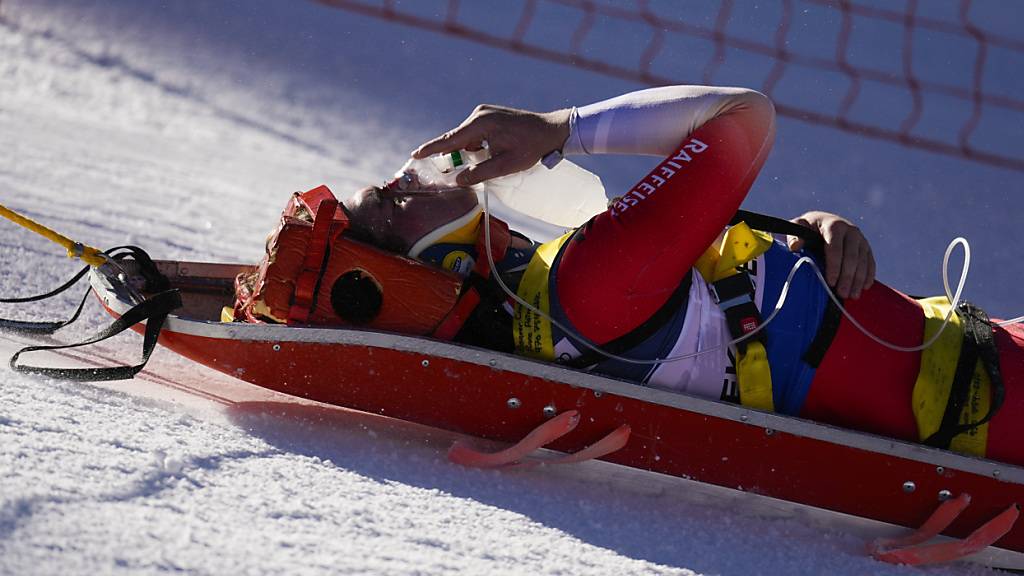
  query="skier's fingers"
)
[
  {"x": 870, "y": 280},
  {"x": 795, "y": 242},
  {"x": 851, "y": 255},
  {"x": 860, "y": 276},
  {"x": 468, "y": 136},
  {"x": 833, "y": 256},
  {"x": 498, "y": 165}
]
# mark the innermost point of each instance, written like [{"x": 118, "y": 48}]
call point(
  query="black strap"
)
[
  {"x": 155, "y": 281},
  {"x": 814, "y": 243},
  {"x": 25, "y": 299},
  {"x": 489, "y": 325},
  {"x": 42, "y": 328},
  {"x": 639, "y": 334},
  {"x": 813, "y": 240},
  {"x": 153, "y": 311},
  {"x": 735, "y": 297},
  {"x": 978, "y": 344},
  {"x": 830, "y": 321}
]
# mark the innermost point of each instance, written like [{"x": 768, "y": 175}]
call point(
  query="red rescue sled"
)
[{"x": 768, "y": 463}]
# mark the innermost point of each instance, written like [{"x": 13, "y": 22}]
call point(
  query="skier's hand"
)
[
  {"x": 517, "y": 139},
  {"x": 849, "y": 263}
]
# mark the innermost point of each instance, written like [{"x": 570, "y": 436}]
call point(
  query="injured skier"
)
[{"x": 640, "y": 282}]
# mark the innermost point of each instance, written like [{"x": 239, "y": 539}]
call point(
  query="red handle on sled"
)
[
  {"x": 905, "y": 550},
  {"x": 546, "y": 433}
]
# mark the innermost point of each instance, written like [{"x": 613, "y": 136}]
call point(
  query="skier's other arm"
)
[{"x": 849, "y": 261}]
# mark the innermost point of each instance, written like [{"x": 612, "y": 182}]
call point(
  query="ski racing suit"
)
[{"x": 629, "y": 271}]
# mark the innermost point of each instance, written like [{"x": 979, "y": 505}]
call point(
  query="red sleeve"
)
[{"x": 623, "y": 265}]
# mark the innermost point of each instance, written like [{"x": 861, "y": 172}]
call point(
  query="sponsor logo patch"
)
[{"x": 458, "y": 261}]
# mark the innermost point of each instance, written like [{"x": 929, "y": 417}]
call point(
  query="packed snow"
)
[{"x": 182, "y": 127}]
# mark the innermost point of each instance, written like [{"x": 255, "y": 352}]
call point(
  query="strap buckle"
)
[
  {"x": 735, "y": 297},
  {"x": 735, "y": 287}
]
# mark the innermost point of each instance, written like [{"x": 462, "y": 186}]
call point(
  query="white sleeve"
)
[{"x": 654, "y": 121}]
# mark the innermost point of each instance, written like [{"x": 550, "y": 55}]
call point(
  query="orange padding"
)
[{"x": 416, "y": 296}]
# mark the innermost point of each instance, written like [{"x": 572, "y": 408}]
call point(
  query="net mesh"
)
[{"x": 920, "y": 76}]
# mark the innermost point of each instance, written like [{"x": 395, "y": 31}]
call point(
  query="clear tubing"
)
[{"x": 954, "y": 298}]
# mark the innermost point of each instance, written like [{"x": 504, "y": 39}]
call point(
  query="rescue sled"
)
[
  {"x": 761, "y": 461},
  {"x": 768, "y": 463}
]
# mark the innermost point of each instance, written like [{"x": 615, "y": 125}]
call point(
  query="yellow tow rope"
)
[{"x": 87, "y": 254}]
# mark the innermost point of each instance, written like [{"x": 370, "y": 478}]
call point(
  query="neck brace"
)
[{"x": 451, "y": 246}]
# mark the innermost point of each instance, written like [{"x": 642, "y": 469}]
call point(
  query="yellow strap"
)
[
  {"x": 741, "y": 244},
  {"x": 531, "y": 332},
  {"x": 935, "y": 381},
  {"x": 979, "y": 397},
  {"x": 88, "y": 254},
  {"x": 755, "y": 378},
  {"x": 938, "y": 365}
]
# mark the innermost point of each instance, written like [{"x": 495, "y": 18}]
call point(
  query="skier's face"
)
[{"x": 394, "y": 221}]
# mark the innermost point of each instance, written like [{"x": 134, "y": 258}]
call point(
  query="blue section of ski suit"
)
[{"x": 791, "y": 332}]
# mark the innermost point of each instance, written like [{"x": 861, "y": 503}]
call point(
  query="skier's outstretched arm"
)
[
  {"x": 653, "y": 121},
  {"x": 646, "y": 122},
  {"x": 626, "y": 262}
]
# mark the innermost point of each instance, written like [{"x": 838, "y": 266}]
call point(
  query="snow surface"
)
[{"x": 182, "y": 127}]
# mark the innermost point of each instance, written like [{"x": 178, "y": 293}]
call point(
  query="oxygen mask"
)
[{"x": 435, "y": 174}]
